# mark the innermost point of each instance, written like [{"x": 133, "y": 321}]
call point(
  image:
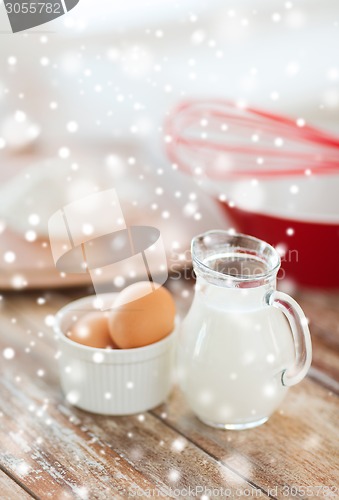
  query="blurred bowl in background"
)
[
  {"x": 35, "y": 186},
  {"x": 276, "y": 178}
]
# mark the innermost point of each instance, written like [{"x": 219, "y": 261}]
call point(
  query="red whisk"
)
[{"x": 221, "y": 139}]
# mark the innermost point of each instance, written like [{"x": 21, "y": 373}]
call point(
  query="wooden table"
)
[{"x": 50, "y": 449}]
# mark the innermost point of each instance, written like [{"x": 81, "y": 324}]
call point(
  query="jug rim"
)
[{"x": 259, "y": 249}]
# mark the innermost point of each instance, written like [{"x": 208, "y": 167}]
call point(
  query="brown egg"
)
[
  {"x": 141, "y": 316},
  {"x": 92, "y": 330}
]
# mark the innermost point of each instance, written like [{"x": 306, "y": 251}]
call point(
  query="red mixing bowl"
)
[{"x": 309, "y": 250}]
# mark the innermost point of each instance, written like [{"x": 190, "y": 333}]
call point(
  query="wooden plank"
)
[
  {"x": 58, "y": 450},
  {"x": 42, "y": 448},
  {"x": 325, "y": 299},
  {"x": 308, "y": 416},
  {"x": 325, "y": 359},
  {"x": 297, "y": 447},
  {"x": 10, "y": 490},
  {"x": 322, "y": 310},
  {"x": 296, "y": 437}
]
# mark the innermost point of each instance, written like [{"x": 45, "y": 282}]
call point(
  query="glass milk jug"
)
[{"x": 242, "y": 343}]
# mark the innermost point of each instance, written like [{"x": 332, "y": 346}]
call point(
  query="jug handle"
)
[{"x": 301, "y": 336}]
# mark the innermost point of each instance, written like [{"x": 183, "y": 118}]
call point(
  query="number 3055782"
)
[{"x": 33, "y": 8}]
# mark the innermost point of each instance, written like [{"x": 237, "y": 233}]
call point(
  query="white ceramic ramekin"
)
[{"x": 112, "y": 382}]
